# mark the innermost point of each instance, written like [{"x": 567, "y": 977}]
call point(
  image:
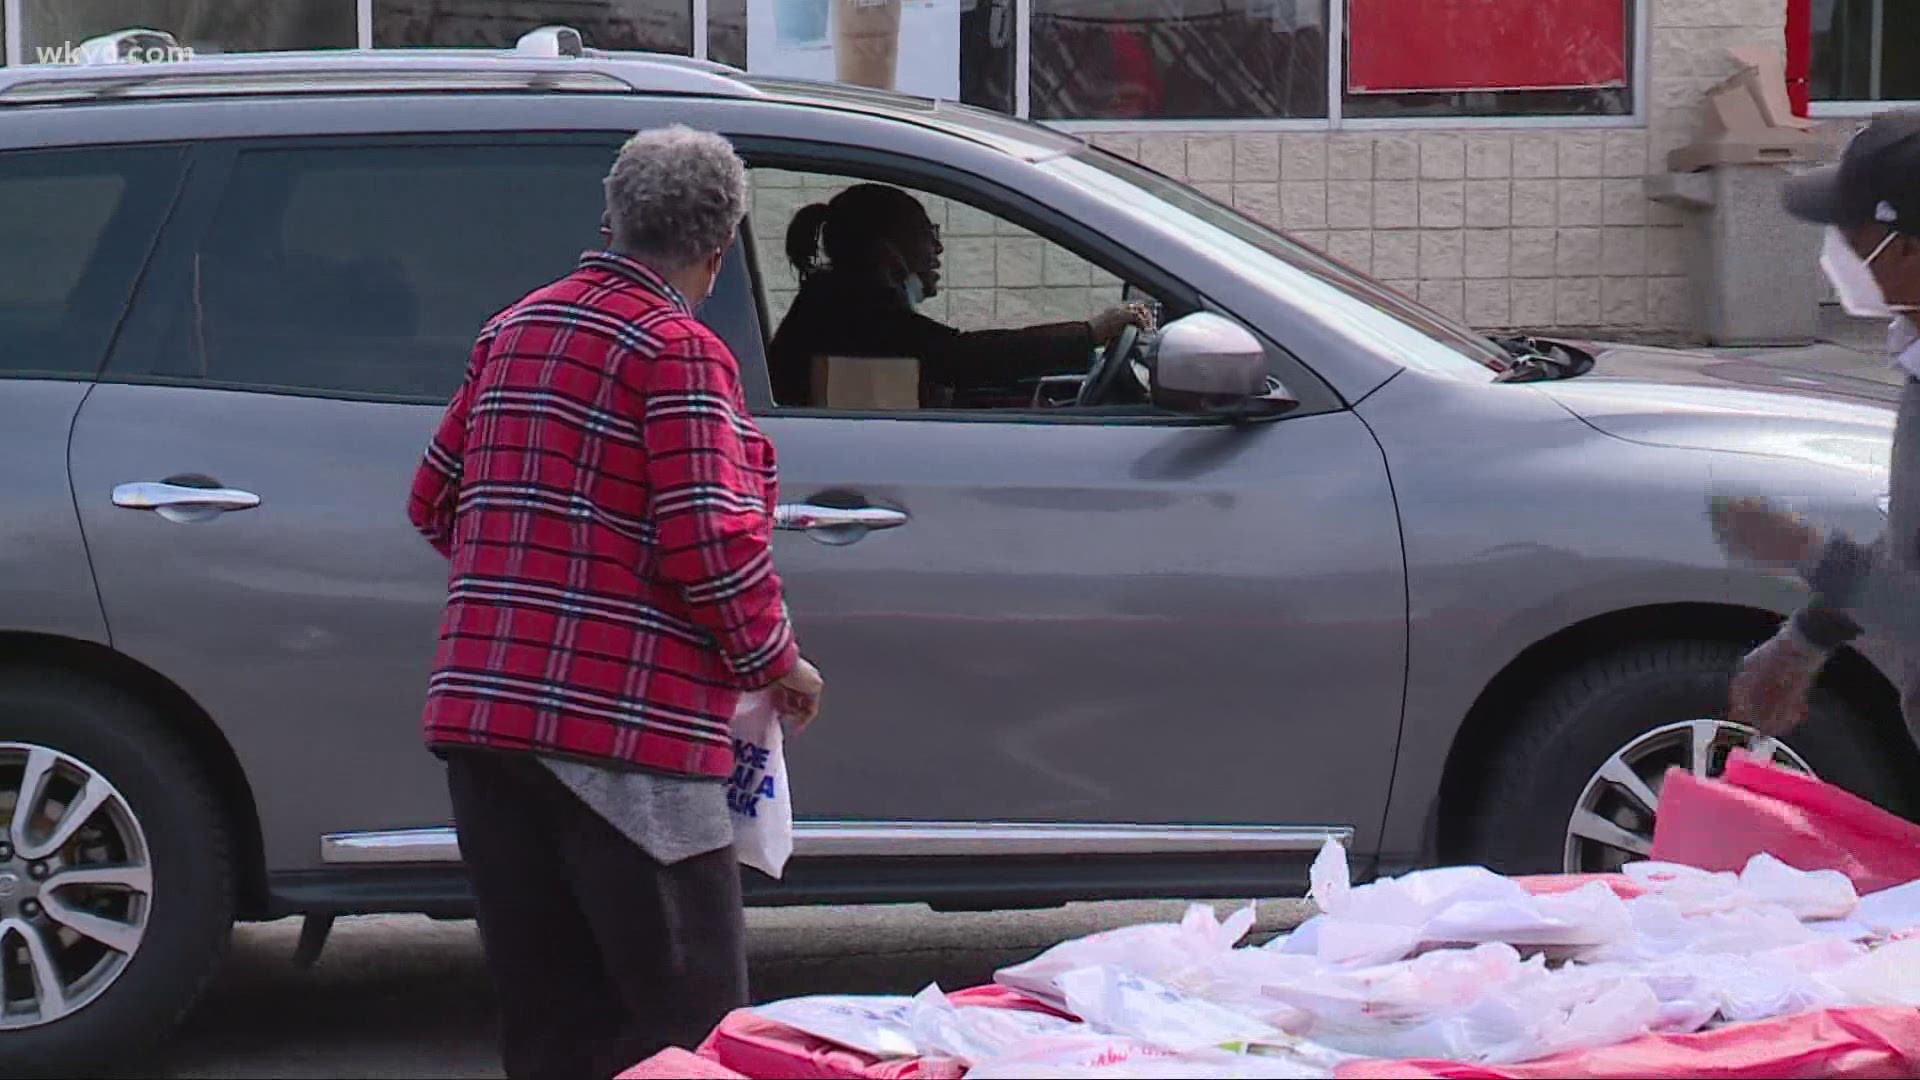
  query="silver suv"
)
[{"x": 1312, "y": 563}]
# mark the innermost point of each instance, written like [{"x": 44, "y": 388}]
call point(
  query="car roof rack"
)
[
  {"x": 547, "y": 59},
  {"x": 551, "y": 41},
  {"x": 551, "y": 58}
]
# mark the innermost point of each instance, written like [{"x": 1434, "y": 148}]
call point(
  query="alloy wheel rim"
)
[
  {"x": 1612, "y": 822},
  {"x": 76, "y": 885}
]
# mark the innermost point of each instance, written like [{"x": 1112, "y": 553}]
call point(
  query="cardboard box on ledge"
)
[{"x": 1749, "y": 120}]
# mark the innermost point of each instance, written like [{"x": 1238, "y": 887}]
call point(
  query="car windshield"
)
[{"x": 1414, "y": 335}]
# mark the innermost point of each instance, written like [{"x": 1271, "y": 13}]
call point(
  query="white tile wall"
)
[{"x": 1508, "y": 228}]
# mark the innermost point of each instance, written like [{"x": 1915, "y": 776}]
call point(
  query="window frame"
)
[
  {"x": 168, "y": 205},
  {"x": 210, "y": 165},
  {"x": 944, "y": 180},
  {"x": 1857, "y": 108}
]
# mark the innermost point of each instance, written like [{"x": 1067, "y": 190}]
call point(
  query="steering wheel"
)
[{"x": 1108, "y": 366}]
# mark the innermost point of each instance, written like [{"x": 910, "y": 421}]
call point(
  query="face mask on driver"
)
[
  {"x": 913, "y": 290},
  {"x": 1852, "y": 276}
]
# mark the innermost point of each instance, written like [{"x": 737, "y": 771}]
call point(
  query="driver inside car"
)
[{"x": 865, "y": 260}]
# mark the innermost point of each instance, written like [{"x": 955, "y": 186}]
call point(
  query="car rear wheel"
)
[
  {"x": 116, "y": 888},
  {"x": 1576, "y": 787}
]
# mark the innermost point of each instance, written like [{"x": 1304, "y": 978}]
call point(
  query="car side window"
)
[
  {"x": 79, "y": 227},
  {"x": 368, "y": 270},
  {"x": 1031, "y": 296}
]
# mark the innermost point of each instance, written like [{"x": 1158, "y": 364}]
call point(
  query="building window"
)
[
  {"x": 1865, "y": 50},
  {"x": 53, "y": 27},
  {"x": 1116, "y": 62},
  {"x": 1178, "y": 59},
  {"x": 649, "y": 25},
  {"x": 958, "y": 49},
  {"x": 1408, "y": 58},
  {"x": 727, "y": 32}
]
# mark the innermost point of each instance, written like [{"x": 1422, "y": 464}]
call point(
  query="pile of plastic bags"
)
[
  {"x": 1457, "y": 964},
  {"x": 1750, "y": 969}
]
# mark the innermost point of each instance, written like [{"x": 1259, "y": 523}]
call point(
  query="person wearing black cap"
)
[{"x": 1870, "y": 205}]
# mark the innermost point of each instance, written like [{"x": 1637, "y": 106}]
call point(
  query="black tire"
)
[
  {"x": 189, "y": 847},
  {"x": 1534, "y": 778}
]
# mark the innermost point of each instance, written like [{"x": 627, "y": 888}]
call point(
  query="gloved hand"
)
[
  {"x": 1772, "y": 685},
  {"x": 1756, "y": 531}
]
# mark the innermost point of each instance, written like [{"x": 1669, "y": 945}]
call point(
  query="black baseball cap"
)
[{"x": 1877, "y": 179}]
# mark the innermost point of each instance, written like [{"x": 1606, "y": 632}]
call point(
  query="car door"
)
[
  {"x": 309, "y": 312},
  {"x": 79, "y": 224},
  {"x": 1050, "y": 634}
]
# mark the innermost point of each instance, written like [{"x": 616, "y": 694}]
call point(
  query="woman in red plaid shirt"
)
[{"x": 606, "y": 505}]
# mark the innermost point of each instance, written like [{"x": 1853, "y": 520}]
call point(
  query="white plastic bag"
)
[
  {"x": 1082, "y": 1055},
  {"x": 1238, "y": 980},
  {"x": 1169, "y": 952},
  {"x": 971, "y": 1034},
  {"x": 1889, "y": 975},
  {"x": 872, "y": 1024},
  {"x": 758, "y": 796},
  {"x": 1591, "y": 915},
  {"x": 1120, "y": 1002},
  {"x": 1394, "y": 918},
  {"x": 1691, "y": 890},
  {"x": 1890, "y": 911},
  {"x": 1809, "y": 894},
  {"x": 1118, "y": 1063}
]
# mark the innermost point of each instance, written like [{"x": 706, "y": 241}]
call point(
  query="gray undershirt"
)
[{"x": 672, "y": 818}]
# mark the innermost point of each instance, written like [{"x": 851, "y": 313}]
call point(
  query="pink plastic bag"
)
[
  {"x": 1755, "y": 808},
  {"x": 754, "y": 1046},
  {"x": 674, "y": 1063},
  {"x": 1843, "y": 1044},
  {"x": 1623, "y": 886},
  {"x": 757, "y": 1047}
]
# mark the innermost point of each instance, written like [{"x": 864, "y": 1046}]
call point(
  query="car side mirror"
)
[{"x": 1208, "y": 365}]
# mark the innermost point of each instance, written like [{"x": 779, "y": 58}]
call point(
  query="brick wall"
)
[
  {"x": 1503, "y": 228},
  {"x": 1500, "y": 228}
]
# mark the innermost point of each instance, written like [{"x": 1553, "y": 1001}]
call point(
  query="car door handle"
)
[
  {"x": 160, "y": 495},
  {"x": 857, "y": 519}
]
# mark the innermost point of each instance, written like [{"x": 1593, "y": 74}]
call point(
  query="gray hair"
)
[{"x": 676, "y": 195}]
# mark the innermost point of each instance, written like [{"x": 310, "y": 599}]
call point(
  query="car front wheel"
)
[
  {"x": 1576, "y": 787},
  {"x": 116, "y": 889}
]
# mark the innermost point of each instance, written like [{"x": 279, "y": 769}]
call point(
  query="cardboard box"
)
[
  {"x": 1749, "y": 120},
  {"x": 890, "y": 383}
]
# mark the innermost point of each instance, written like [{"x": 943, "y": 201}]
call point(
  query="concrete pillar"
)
[{"x": 1755, "y": 270}]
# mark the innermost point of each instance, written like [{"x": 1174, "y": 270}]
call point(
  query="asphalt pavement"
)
[{"x": 408, "y": 997}]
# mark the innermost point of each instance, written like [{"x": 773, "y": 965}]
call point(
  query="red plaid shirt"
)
[{"x": 606, "y": 504}]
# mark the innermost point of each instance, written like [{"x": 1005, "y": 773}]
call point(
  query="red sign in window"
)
[{"x": 1411, "y": 46}]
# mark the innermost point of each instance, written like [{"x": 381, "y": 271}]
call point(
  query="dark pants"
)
[{"x": 600, "y": 956}]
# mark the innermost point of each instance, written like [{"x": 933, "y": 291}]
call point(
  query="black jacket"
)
[{"x": 835, "y": 317}]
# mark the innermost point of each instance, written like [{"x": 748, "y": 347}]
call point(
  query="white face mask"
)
[{"x": 1852, "y": 276}]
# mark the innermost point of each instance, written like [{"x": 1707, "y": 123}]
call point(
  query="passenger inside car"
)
[{"x": 865, "y": 260}]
